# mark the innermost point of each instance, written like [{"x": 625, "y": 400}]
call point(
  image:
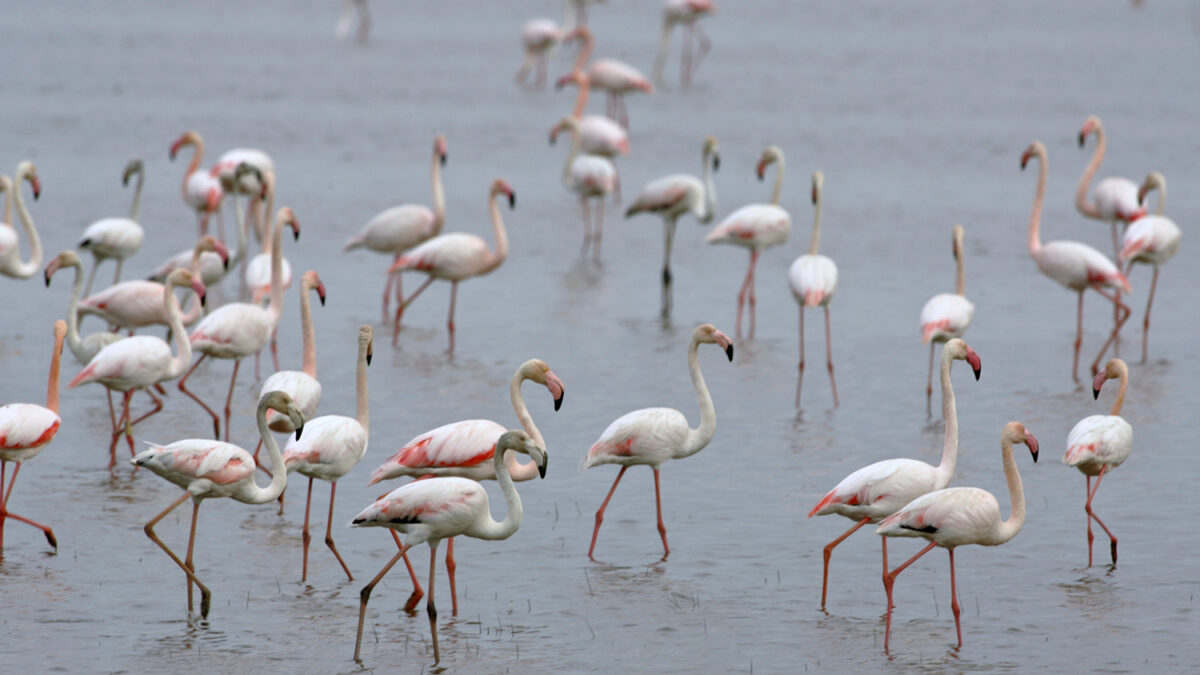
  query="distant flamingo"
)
[
  {"x": 756, "y": 226},
  {"x": 11, "y": 264},
  {"x": 257, "y": 274},
  {"x": 651, "y": 436},
  {"x": 206, "y": 469},
  {"x": 538, "y": 38},
  {"x": 1152, "y": 240},
  {"x": 201, "y": 192},
  {"x": 26, "y": 428},
  {"x": 946, "y": 315},
  {"x": 465, "y": 449},
  {"x": 813, "y": 278},
  {"x": 455, "y": 257},
  {"x": 684, "y": 13},
  {"x": 598, "y": 135},
  {"x": 1072, "y": 264},
  {"x": 141, "y": 361},
  {"x": 878, "y": 490},
  {"x": 250, "y": 184},
  {"x": 956, "y": 516},
  {"x": 674, "y": 195},
  {"x": 616, "y": 77},
  {"x": 1099, "y": 443},
  {"x": 116, "y": 238},
  {"x": 333, "y": 445},
  {"x": 1114, "y": 199},
  {"x": 431, "y": 510},
  {"x": 239, "y": 329},
  {"x": 400, "y": 228},
  {"x": 590, "y": 177},
  {"x": 346, "y": 18}
]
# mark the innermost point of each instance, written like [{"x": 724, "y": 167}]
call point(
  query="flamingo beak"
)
[
  {"x": 223, "y": 252},
  {"x": 1082, "y": 137},
  {"x": 1097, "y": 383},
  {"x": 976, "y": 364},
  {"x": 175, "y": 148},
  {"x": 555, "y": 386},
  {"x": 370, "y": 352},
  {"x": 1032, "y": 443},
  {"x": 442, "y": 158},
  {"x": 321, "y": 293},
  {"x": 760, "y": 170},
  {"x": 37, "y": 187},
  {"x": 198, "y": 286},
  {"x": 300, "y": 426},
  {"x": 512, "y": 199},
  {"x": 295, "y": 225},
  {"x": 716, "y": 161}
]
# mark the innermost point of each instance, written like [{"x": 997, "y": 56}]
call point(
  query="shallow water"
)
[{"x": 917, "y": 114}]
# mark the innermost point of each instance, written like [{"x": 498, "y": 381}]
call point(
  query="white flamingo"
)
[
  {"x": 685, "y": 13},
  {"x": 946, "y": 315},
  {"x": 813, "y": 278},
  {"x": 590, "y": 177},
  {"x": 201, "y": 192},
  {"x": 539, "y": 37},
  {"x": 1151, "y": 240},
  {"x": 11, "y": 264},
  {"x": 117, "y": 238}
]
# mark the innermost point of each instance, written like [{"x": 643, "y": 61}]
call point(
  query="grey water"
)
[{"x": 916, "y": 112}]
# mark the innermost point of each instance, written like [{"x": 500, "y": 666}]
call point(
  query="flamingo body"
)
[
  {"x": 249, "y": 184},
  {"x": 258, "y": 274},
  {"x": 617, "y": 77},
  {"x": 540, "y": 35},
  {"x": 1151, "y": 239},
  {"x": 396, "y": 229},
  {"x": 131, "y": 363},
  {"x": 113, "y": 238},
  {"x": 754, "y": 226},
  {"x": 1117, "y": 199},
  {"x": 330, "y": 447},
  {"x": 204, "y": 467},
  {"x": 880, "y": 489},
  {"x": 1097, "y": 442},
  {"x": 1078, "y": 266},
  {"x": 462, "y": 448},
  {"x": 648, "y": 436},
  {"x": 212, "y": 266},
  {"x": 132, "y": 304},
  {"x": 304, "y": 389},
  {"x": 25, "y": 428},
  {"x": 813, "y": 279},
  {"x": 593, "y": 176},
  {"x": 234, "y": 331},
  {"x": 601, "y": 136},
  {"x": 671, "y": 196},
  {"x": 945, "y": 316},
  {"x": 453, "y": 256}
]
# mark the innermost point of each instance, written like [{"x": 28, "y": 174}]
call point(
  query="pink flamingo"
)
[
  {"x": 455, "y": 257},
  {"x": 142, "y": 361},
  {"x": 431, "y": 510},
  {"x": 11, "y": 264},
  {"x": 651, "y": 436},
  {"x": 538, "y": 38},
  {"x": 956, "y": 516},
  {"x": 590, "y": 177},
  {"x": 674, "y": 195},
  {"x": 946, "y": 315},
  {"x": 239, "y": 329},
  {"x": 250, "y": 184},
  {"x": 116, "y": 238},
  {"x": 257, "y": 274},
  {"x": 207, "y": 469},
  {"x": 616, "y": 77},
  {"x": 1152, "y": 240},
  {"x": 201, "y": 192},
  {"x": 755, "y": 226},
  {"x": 1099, "y": 443},
  {"x": 26, "y": 428},
  {"x": 465, "y": 449},
  {"x": 878, "y": 490},
  {"x": 684, "y": 13},
  {"x": 332, "y": 446},
  {"x": 598, "y": 135},
  {"x": 1114, "y": 199},
  {"x": 813, "y": 278},
  {"x": 400, "y": 228},
  {"x": 1074, "y": 265}
]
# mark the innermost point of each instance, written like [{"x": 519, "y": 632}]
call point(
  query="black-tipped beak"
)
[
  {"x": 557, "y": 401},
  {"x": 716, "y": 161},
  {"x": 295, "y": 235},
  {"x": 729, "y": 352},
  {"x": 47, "y": 275},
  {"x": 369, "y": 355},
  {"x": 977, "y": 372},
  {"x": 225, "y": 263},
  {"x": 1095, "y": 391},
  {"x": 203, "y": 299},
  {"x": 1082, "y": 139},
  {"x": 299, "y": 429},
  {"x": 321, "y": 297},
  {"x": 442, "y": 159},
  {"x": 512, "y": 200},
  {"x": 542, "y": 467}
]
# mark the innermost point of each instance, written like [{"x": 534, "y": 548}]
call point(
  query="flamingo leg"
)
[
  {"x": 1116, "y": 311},
  {"x": 889, "y": 581},
  {"x": 229, "y": 397},
  {"x": 929, "y": 384},
  {"x": 526, "y": 67},
  {"x": 1078, "y": 339},
  {"x": 598, "y": 228},
  {"x": 800, "y": 373},
  {"x": 828, "y": 553},
  {"x": 668, "y": 242},
  {"x": 117, "y": 273},
  {"x": 430, "y": 609},
  {"x": 417, "y": 594},
  {"x": 685, "y": 56},
  {"x": 954, "y": 606},
  {"x": 753, "y": 297},
  {"x": 3, "y": 502},
  {"x": 451, "y": 566},
  {"x": 704, "y": 46},
  {"x": 205, "y": 594},
  {"x": 329, "y": 532},
  {"x": 87, "y": 290},
  {"x": 450, "y": 317},
  {"x": 365, "y": 594},
  {"x": 1146, "y": 320},
  {"x": 744, "y": 290},
  {"x": 274, "y": 349},
  {"x": 183, "y": 387},
  {"x": 404, "y": 305},
  {"x": 1087, "y": 510},
  {"x": 191, "y": 565},
  {"x": 662, "y": 529},
  {"x": 1116, "y": 300},
  {"x": 4, "y": 513},
  {"x": 158, "y": 405},
  {"x": 541, "y": 71},
  {"x": 220, "y": 228},
  {"x": 1092, "y": 516},
  {"x": 829, "y": 358},
  {"x": 119, "y": 430},
  {"x": 619, "y": 103},
  {"x": 305, "y": 537},
  {"x": 112, "y": 413},
  {"x": 600, "y": 512},
  {"x": 587, "y": 225}
]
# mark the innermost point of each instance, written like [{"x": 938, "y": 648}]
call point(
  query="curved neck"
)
[
  {"x": 27, "y": 269},
  {"x": 960, "y": 276},
  {"x": 585, "y": 51},
  {"x": 1035, "y": 218},
  {"x": 193, "y": 166},
  {"x": 73, "y": 339},
  {"x": 814, "y": 242},
  {"x": 528, "y": 470},
  {"x": 501, "y": 251},
  {"x": 306, "y": 327},
  {"x": 363, "y": 403},
  {"x": 576, "y": 141},
  {"x": 489, "y": 528},
  {"x": 950, "y": 415},
  {"x": 136, "y": 207},
  {"x": 1016, "y": 492},
  {"x": 710, "y": 190},
  {"x": 7, "y": 186},
  {"x": 1158, "y": 210},
  {"x": 55, "y": 362},
  {"x": 775, "y": 191},
  {"x": 581, "y": 98},
  {"x": 699, "y": 437},
  {"x": 439, "y": 197},
  {"x": 1081, "y": 190},
  {"x": 184, "y": 356},
  {"x": 242, "y": 234},
  {"x": 1120, "y": 400},
  {"x": 252, "y": 493},
  {"x": 275, "y": 306}
]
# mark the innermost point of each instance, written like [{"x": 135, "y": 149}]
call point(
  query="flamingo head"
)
[
  {"x": 576, "y": 77},
  {"x": 1114, "y": 369},
  {"x": 65, "y": 259},
  {"x": 710, "y": 148},
  {"x": 133, "y": 168},
  {"x": 958, "y": 349},
  {"x": 537, "y": 371},
  {"x": 283, "y": 404},
  {"x": 1154, "y": 181},
  {"x": 287, "y": 217},
  {"x": 518, "y": 440},
  {"x": 312, "y": 280},
  {"x": 366, "y": 335},
  {"x": 188, "y": 138},
  {"x": 211, "y": 243},
  {"x": 708, "y": 333},
  {"x": 567, "y": 122},
  {"x": 771, "y": 154},
  {"x": 1015, "y": 432},
  {"x": 818, "y": 184},
  {"x": 500, "y": 186},
  {"x": 1090, "y": 125},
  {"x": 27, "y": 171},
  {"x": 439, "y": 148},
  {"x": 1035, "y": 149},
  {"x": 244, "y": 169},
  {"x": 958, "y": 241}
]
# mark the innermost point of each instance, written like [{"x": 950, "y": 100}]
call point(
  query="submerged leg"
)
[
  {"x": 451, "y": 566},
  {"x": 365, "y": 594},
  {"x": 229, "y": 397},
  {"x": 1078, "y": 339},
  {"x": 189, "y": 561},
  {"x": 829, "y": 358},
  {"x": 1092, "y": 515},
  {"x": 1146, "y": 320},
  {"x": 889, "y": 581},
  {"x": 600, "y": 512},
  {"x": 668, "y": 242},
  {"x": 800, "y": 373},
  {"x": 662, "y": 529},
  {"x": 5, "y": 495},
  {"x": 450, "y": 318},
  {"x": 828, "y": 553},
  {"x": 205, "y": 595},
  {"x": 430, "y": 609},
  {"x": 954, "y": 606}
]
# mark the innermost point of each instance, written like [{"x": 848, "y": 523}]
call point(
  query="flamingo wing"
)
[
  {"x": 813, "y": 279},
  {"x": 24, "y": 427},
  {"x": 444, "y": 506},
  {"x": 1098, "y": 440},
  {"x": 754, "y": 226},
  {"x": 329, "y": 447},
  {"x": 186, "y": 461},
  {"x": 458, "y": 448},
  {"x": 946, "y": 316}
]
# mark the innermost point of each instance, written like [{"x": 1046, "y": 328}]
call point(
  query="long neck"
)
[
  {"x": 73, "y": 339},
  {"x": 528, "y": 470},
  {"x": 1035, "y": 217},
  {"x": 275, "y": 307},
  {"x": 184, "y": 346},
  {"x": 1158, "y": 210},
  {"x": 306, "y": 327},
  {"x": 699, "y": 437},
  {"x": 950, "y": 415},
  {"x": 1016, "y": 492},
  {"x": 501, "y": 251},
  {"x": 252, "y": 493},
  {"x": 7, "y": 186},
  {"x": 660, "y": 61},
  {"x": 814, "y": 242},
  {"x": 1120, "y": 400},
  {"x": 710, "y": 191},
  {"x": 439, "y": 197},
  {"x": 55, "y": 362},
  {"x": 197, "y": 157},
  {"x": 778, "y": 181},
  {"x": 363, "y": 410},
  {"x": 27, "y": 269},
  {"x": 585, "y": 51},
  {"x": 243, "y": 235},
  {"x": 136, "y": 208},
  {"x": 487, "y": 527},
  {"x": 960, "y": 276},
  {"x": 581, "y": 98},
  {"x": 1081, "y": 190}
]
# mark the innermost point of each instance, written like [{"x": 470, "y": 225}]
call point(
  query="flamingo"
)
[
  {"x": 684, "y": 13},
  {"x": 11, "y": 264},
  {"x": 239, "y": 329},
  {"x": 455, "y": 257},
  {"x": 26, "y": 428},
  {"x": 651, "y": 436},
  {"x": 346, "y": 17},
  {"x": 250, "y": 184},
  {"x": 755, "y": 226},
  {"x": 598, "y": 135},
  {"x": 538, "y": 37},
  {"x": 201, "y": 192},
  {"x": 591, "y": 177},
  {"x": 1114, "y": 199},
  {"x": 333, "y": 445},
  {"x": 1074, "y": 265},
  {"x": 956, "y": 516},
  {"x": 465, "y": 449},
  {"x": 257, "y": 274},
  {"x": 946, "y": 315},
  {"x": 1152, "y": 240},
  {"x": 616, "y": 77},
  {"x": 116, "y": 238},
  {"x": 878, "y": 490},
  {"x": 400, "y": 228},
  {"x": 141, "y": 361},
  {"x": 677, "y": 194},
  {"x": 813, "y": 278},
  {"x": 1099, "y": 443},
  {"x": 205, "y": 469},
  {"x": 431, "y": 510}
]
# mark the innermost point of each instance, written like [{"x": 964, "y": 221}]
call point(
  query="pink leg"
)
[
  {"x": 404, "y": 305},
  {"x": 229, "y": 397},
  {"x": 365, "y": 595},
  {"x": 889, "y": 581},
  {"x": 685, "y": 75},
  {"x": 451, "y": 566},
  {"x": 704, "y": 45},
  {"x": 753, "y": 297},
  {"x": 1078, "y": 339},
  {"x": 183, "y": 387},
  {"x": 742, "y": 295},
  {"x": 1092, "y": 516},
  {"x": 3, "y": 503},
  {"x": 329, "y": 532},
  {"x": 954, "y": 606},
  {"x": 587, "y": 225},
  {"x": 205, "y": 594},
  {"x": 430, "y": 609},
  {"x": 305, "y": 537},
  {"x": 4, "y": 514},
  {"x": 190, "y": 549},
  {"x": 828, "y": 553},
  {"x": 120, "y": 430},
  {"x": 662, "y": 529},
  {"x": 598, "y": 229},
  {"x": 829, "y": 358},
  {"x": 274, "y": 350},
  {"x": 158, "y": 405},
  {"x": 800, "y": 375},
  {"x": 1086, "y": 508},
  {"x": 417, "y": 593},
  {"x": 929, "y": 384},
  {"x": 600, "y": 513},
  {"x": 1116, "y": 300},
  {"x": 450, "y": 318},
  {"x": 1146, "y": 320}
]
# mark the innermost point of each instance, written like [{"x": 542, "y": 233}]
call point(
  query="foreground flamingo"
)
[
  {"x": 431, "y": 510},
  {"x": 591, "y": 177},
  {"x": 400, "y": 228},
  {"x": 946, "y": 315},
  {"x": 201, "y": 192},
  {"x": 1072, "y": 264},
  {"x": 538, "y": 38},
  {"x": 116, "y": 238},
  {"x": 684, "y": 13},
  {"x": 616, "y": 77},
  {"x": 333, "y": 445},
  {"x": 756, "y": 226},
  {"x": 1100, "y": 443},
  {"x": 455, "y": 257},
  {"x": 961, "y": 515},
  {"x": 11, "y": 264},
  {"x": 205, "y": 469},
  {"x": 1114, "y": 199},
  {"x": 26, "y": 428},
  {"x": 677, "y": 194},
  {"x": 878, "y": 490},
  {"x": 813, "y": 278},
  {"x": 1152, "y": 240},
  {"x": 651, "y": 436},
  {"x": 465, "y": 449}
]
